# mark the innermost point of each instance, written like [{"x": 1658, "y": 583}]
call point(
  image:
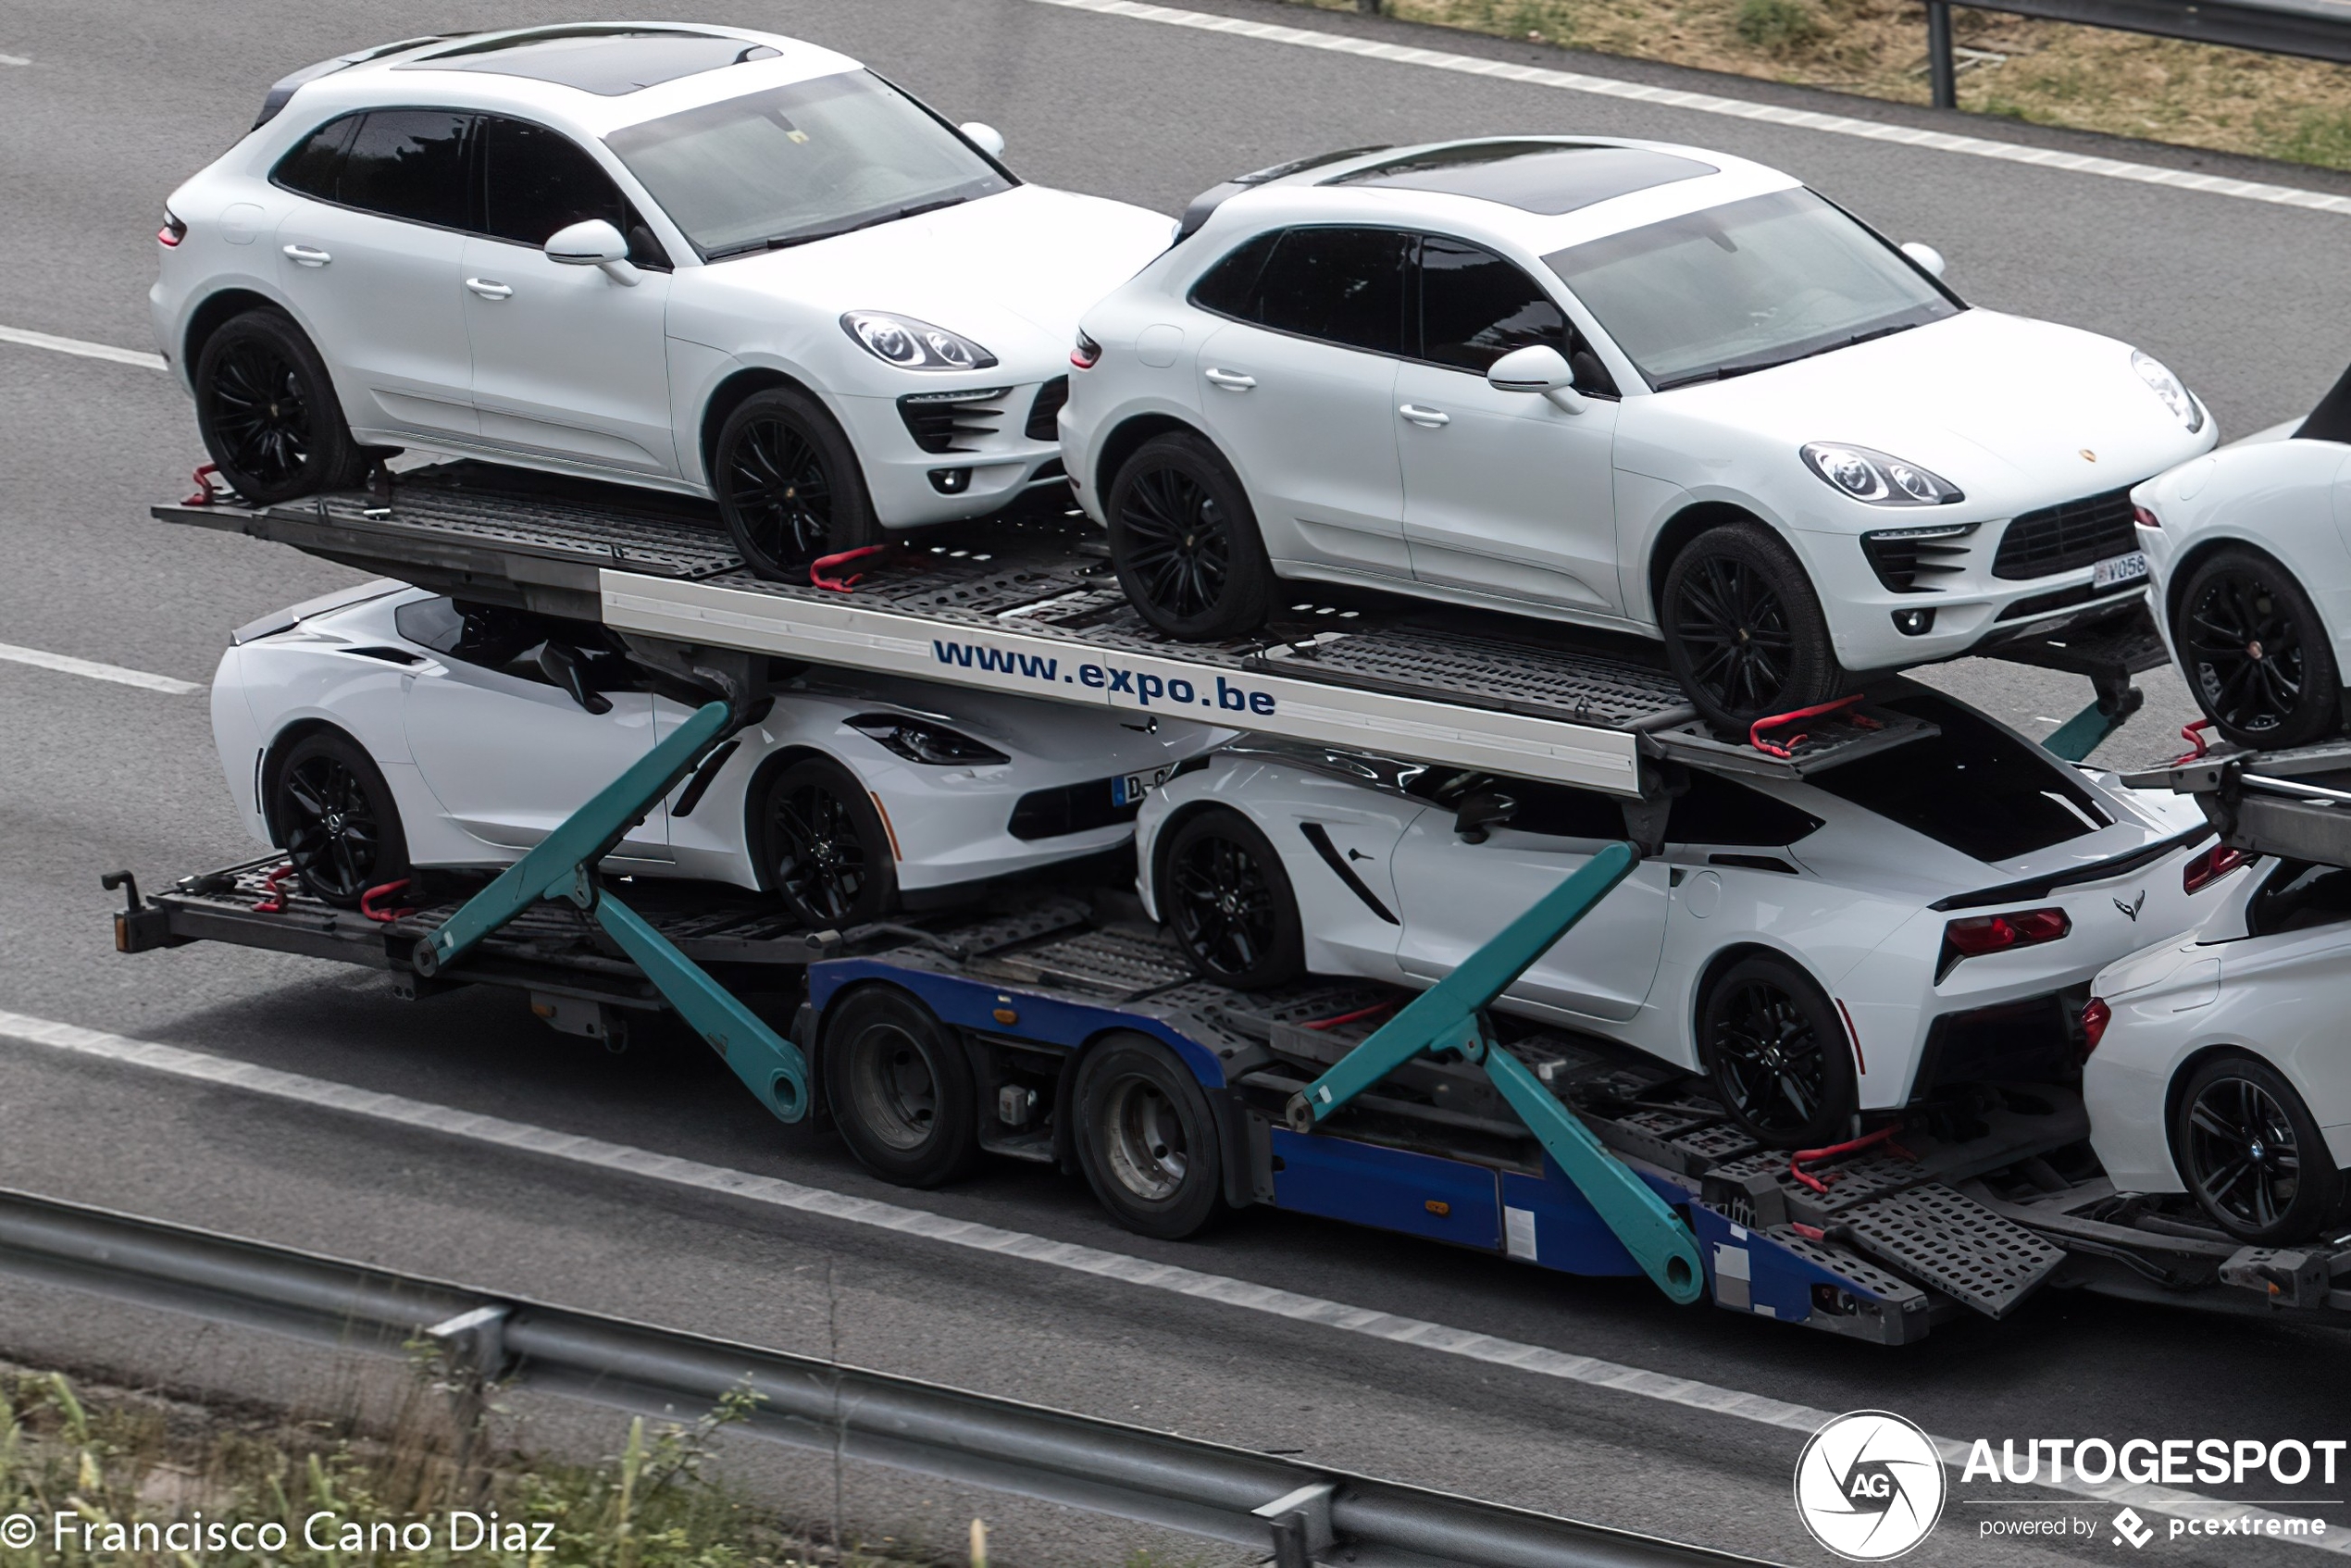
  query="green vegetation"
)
[{"x": 1778, "y": 27}]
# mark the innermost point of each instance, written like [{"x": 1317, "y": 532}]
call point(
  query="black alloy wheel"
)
[
  {"x": 1743, "y": 629},
  {"x": 827, "y": 851},
  {"x": 334, "y": 816},
  {"x": 2257, "y": 653},
  {"x": 266, "y": 409},
  {"x": 900, "y": 1089},
  {"x": 1147, "y": 1138},
  {"x": 2252, "y": 1154},
  {"x": 1778, "y": 1058},
  {"x": 1223, "y": 890},
  {"x": 788, "y": 486},
  {"x": 1185, "y": 543}
]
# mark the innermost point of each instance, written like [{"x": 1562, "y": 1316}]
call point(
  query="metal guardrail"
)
[{"x": 1300, "y": 1513}]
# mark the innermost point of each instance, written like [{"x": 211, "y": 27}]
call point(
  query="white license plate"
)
[
  {"x": 2116, "y": 570},
  {"x": 1130, "y": 790}
]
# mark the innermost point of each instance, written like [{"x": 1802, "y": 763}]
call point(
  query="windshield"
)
[
  {"x": 800, "y": 163},
  {"x": 1746, "y": 286}
]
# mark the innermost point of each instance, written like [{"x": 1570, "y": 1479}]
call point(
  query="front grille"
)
[
  {"x": 1072, "y": 808},
  {"x": 941, "y": 422},
  {"x": 1044, "y": 414},
  {"x": 1900, "y": 562},
  {"x": 2068, "y": 537}
]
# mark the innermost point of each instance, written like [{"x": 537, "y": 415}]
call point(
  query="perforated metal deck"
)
[{"x": 1955, "y": 1244}]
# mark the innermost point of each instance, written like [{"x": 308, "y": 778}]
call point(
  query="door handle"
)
[
  {"x": 1231, "y": 381},
  {"x": 488, "y": 288},
  {"x": 1427, "y": 418},
  {"x": 307, "y": 255}
]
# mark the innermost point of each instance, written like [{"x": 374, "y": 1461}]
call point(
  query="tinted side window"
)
[
  {"x": 1553, "y": 810},
  {"x": 1343, "y": 286},
  {"x": 1476, "y": 307},
  {"x": 317, "y": 159},
  {"x": 1974, "y": 787},
  {"x": 2300, "y": 896},
  {"x": 409, "y": 163},
  {"x": 1716, "y": 811},
  {"x": 535, "y": 181},
  {"x": 1229, "y": 288},
  {"x": 510, "y": 640}
]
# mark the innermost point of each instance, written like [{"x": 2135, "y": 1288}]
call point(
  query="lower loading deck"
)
[{"x": 1975, "y": 1204}]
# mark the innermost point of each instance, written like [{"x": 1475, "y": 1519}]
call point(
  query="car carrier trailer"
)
[{"x": 1425, "y": 1114}]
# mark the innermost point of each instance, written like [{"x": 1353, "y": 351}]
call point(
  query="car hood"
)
[
  {"x": 1011, "y": 272},
  {"x": 2003, "y": 406}
]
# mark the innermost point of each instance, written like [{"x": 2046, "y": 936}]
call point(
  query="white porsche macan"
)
[
  {"x": 388, "y": 729},
  {"x": 1640, "y": 386},
  {"x": 701, "y": 260},
  {"x": 1854, "y": 941}
]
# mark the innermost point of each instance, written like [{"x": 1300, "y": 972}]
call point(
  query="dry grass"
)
[{"x": 2088, "y": 79}]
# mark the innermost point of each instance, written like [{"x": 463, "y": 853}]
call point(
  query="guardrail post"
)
[{"x": 1942, "y": 73}]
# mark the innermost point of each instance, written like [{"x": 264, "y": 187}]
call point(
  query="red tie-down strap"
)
[
  {"x": 205, "y": 492},
  {"x": 1804, "y": 1157},
  {"x": 274, "y": 903},
  {"x": 823, "y": 564},
  {"x": 383, "y": 916},
  {"x": 1773, "y": 748},
  {"x": 2198, "y": 742}
]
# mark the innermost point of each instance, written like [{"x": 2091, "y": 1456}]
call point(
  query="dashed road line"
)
[
  {"x": 1712, "y": 104},
  {"x": 66, "y": 662},
  {"x": 595, "y": 1153},
  {"x": 80, "y": 346}
]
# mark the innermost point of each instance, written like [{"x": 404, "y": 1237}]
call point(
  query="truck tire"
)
[
  {"x": 2257, "y": 656},
  {"x": 266, "y": 409},
  {"x": 2253, "y": 1155},
  {"x": 334, "y": 816},
  {"x": 1147, "y": 1138},
  {"x": 898, "y": 1085},
  {"x": 1778, "y": 1057}
]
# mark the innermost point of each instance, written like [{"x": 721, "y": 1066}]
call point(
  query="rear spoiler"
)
[
  {"x": 1208, "y": 200},
  {"x": 2096, "y": 871}
]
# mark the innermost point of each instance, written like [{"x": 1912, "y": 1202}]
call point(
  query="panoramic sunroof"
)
[
  {"x": 1549, "y": 178},
  {"x": 605, "y": 60}
]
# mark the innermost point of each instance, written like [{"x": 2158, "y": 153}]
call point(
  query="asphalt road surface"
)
[{"x": 118, "y": 102}]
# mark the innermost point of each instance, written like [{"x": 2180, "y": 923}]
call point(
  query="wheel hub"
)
[{"x": 2253, "y": 649}]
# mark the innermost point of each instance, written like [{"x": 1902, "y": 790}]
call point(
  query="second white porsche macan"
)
[
  {"x": 388, "y": 731},
  {"x": 701, "y": 260},
  {"x": 1639, "y": 387}
]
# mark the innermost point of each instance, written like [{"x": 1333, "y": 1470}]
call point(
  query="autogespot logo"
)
[{"x": 1869, "y": 1485}]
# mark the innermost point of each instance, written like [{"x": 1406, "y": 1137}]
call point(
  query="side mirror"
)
[
  {"x": 1541, "y": 370},
  {"x": 1480, "y": 813},
  {"x": 593, "y": 244},
  {"x": 561, "y": 666},
  {"x": 1925, "y": 255},
  {"x": 986, "y": 138}
]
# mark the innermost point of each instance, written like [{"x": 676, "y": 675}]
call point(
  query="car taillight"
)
[
  {"x": 1086, "y": 355},
  {"x": 1980, "y": 934},
  {"x": 2210, "y": 867},
  {"x": 2095, "y": 1016},
  {"x": 174, "y": 229},
  {"x": 2146, "y": 518}
]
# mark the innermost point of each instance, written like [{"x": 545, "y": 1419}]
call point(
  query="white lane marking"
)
[
  {"x": 77, "y": 345},
  {"x": 1710, "y": 104},
  {"x": 14, "y": 60},
  {"x": 1592, "y": 1371},
  {"x": 169, "y": 685}
]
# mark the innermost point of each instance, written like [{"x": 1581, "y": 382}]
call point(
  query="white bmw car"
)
[
  {"x": 2253, "y": 577},
  {"x": 694, "y": 258},
  {"x": 1925, "y": 917},
  {"x": 388, "y": 729},
  {"x": 2217, "y": 1066},
  {"x": 1640, "y": 386}
]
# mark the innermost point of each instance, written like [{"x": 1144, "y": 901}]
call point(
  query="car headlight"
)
[
  {"x": 1863, "y": 475},
  {"x": 921, "y": 741},
  {"x": 914, "y": 345},
  {"x": 2169, "y": 387}
]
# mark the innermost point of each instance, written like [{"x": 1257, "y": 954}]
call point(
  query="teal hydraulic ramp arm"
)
[
  {"x": 1449, "y": 1017},
  {"x": 563, "y": 866}
]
